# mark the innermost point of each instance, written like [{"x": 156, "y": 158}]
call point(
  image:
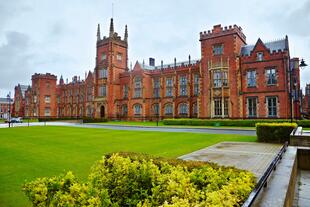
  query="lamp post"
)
[
  {"x": 9, "y": 110},
  {"x": 302, "y": 65}
]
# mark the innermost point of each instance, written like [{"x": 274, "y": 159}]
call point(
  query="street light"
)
[
  {"x": 302, "y": 65},
  {"x": 9, "y": 110}
]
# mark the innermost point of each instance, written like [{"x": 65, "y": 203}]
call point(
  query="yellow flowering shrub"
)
[{"x": 118, "y": 180}]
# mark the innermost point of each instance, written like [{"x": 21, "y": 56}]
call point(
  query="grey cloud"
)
[
  {"x": 10, "y": 10},
  {"x": 299, "y": 20},
  {"x": 15, "y": 59},
  {"x": 60, "y": 38}
]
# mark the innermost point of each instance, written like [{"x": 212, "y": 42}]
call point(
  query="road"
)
[{"x": 139, "y": 128}]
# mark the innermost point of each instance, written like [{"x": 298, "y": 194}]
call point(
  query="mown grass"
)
[{"x": 30, "y": 152}]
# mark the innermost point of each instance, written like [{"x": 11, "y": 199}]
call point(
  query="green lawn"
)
[{"x": 30, "y": 152}]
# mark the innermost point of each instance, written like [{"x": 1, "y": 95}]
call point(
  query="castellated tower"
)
[
  {"x": 220, "y": 49},
  {"x": 44, "y": 101},
  {"x": 111, "y": 60}
]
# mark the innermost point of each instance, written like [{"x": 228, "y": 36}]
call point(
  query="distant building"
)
[
  {"x": 41, "y": 97},
  {"x": 5, "y": 104},
  {"x": 230, "y": 80},
  {"x": 19, "y": 100},
  {"x": 306, "y": 100}
]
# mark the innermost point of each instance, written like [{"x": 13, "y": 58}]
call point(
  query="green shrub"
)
[
  {"x": 304, "y": 123},
  {"x": 84, "y": 119},
  {"x": 43, "y": 119},
  {"x": 274, "y": 132},
  {"x": 229, "y": 122},
  {"x": 138, "y": 180},
  {"x": 94, "y": 120}
]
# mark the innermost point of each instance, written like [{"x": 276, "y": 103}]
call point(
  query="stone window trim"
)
[
  {"x": 103, "y": 73},
  {"x": 183, "y": 109},
  {"x": 220, "y": 107},
  {"x": 218, "y": 49},
  {"x": 196, "y": 84},
  {"x": 168, "y": 109},
  {"x": 103, "y": 56},
  {"x": 137, "y": 87},
  {"x": 217, "y": 79},
  {"x": 183, "y": 85},
  {"x": 252, "y": 83},
  {"x": 252, "y": 107},
  {"x": 169, "y": 87},
  {"x": 274, "y": 80},
  {"x": 102, "y": 91},
  {"x": 125, "y": 91},
  {"x": 156, "y": 87},
  {"x": 260, "y": 56},
  {"x": 137, "y": 109},
  {"x": 272, "y": 108},
  {"x": 47, "y": 111},
  {"x": 156, "y": 109},
  {"x": 119, "y": 57},
  {"x": 220, "y": 78},
  {"x": 47, "y": 99},
  {"x": 195, "y": 108},
  {"x": 124, "y": 109}
]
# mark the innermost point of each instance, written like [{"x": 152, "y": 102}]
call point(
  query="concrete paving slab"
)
[
  {"x": 303, "y": 195},
  {"x": 254, "y": 157}
]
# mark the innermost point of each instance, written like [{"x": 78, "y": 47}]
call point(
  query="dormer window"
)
[
  {"x": 103, "y": 56},
  {"x": 218, "y": 49},
  {"x": 259, "y": 56}
]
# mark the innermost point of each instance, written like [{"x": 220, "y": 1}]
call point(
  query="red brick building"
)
[
  {"x": 5, "y": 104},
  {"x": 306, "y": 100},
  {"x": 19, "y": 100},
  {"x": 230, "y": 80},
  {"x": 41, "y": 99}
]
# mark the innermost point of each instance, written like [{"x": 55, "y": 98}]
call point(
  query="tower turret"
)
[
  {"x": 98, "y": 33},
  {"x": 61, "y": 80},
  {"x": 111, "y": 28},
  {"x": 126, "y": 34}
]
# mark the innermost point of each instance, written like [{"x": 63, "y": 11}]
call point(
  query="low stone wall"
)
[
  {"x": 303, "y": 156},
  {"x": 300, "y": 139},
  {"x": 289, "y": 198},
  {"x": 280, "y": 187}
]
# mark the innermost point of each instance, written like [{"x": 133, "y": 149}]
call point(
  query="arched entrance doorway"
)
[{"x": 102, "y": 112}]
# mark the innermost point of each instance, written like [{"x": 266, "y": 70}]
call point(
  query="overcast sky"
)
[{"x": 56, "y": 36}]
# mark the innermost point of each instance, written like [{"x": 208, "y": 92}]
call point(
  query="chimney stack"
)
[{"x": 152, "y": 61}]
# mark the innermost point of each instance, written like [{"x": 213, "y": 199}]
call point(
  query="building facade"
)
[
  {"x": 230, "y": 80},
  {"x": 19, "y": 100},
  {"x": 6, "y": 107},
  {"x": 306, "y": 100}
]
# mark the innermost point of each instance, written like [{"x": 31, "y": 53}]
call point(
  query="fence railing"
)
[{"x": 264, "y": 179}]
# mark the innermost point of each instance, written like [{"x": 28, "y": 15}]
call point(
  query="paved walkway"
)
[
  {"x": 254, "y": 157},
  {"x": 302, "y": 196},
  {"x": 141, "y": 128}
]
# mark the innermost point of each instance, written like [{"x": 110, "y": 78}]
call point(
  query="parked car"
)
[{"x": 16, "y": 120}]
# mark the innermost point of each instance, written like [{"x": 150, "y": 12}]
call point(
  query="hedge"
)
[
  {"x": 274, "y": 132},
  {"x": 137, "y": 180},
  {"x": 84, "y": 119},
  {"x": 229, "y": 122}
]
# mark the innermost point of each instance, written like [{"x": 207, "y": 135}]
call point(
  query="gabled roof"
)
[
  {"x": 274, "y": 45},
  {"x": 23, "y": 89}
]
